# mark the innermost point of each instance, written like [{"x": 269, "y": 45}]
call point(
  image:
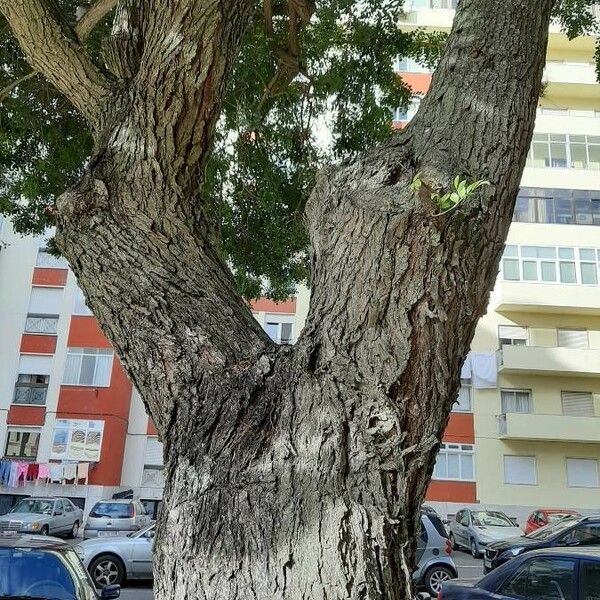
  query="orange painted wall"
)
[
  {"x": 110, "y": 404},
  {"x": 151, "y": 430},
  {"x": 38, "y": 344},
  {"x": 419, "y": 83},
  {"x": 26, "y": 415},
  {"x": 85, "y": 332},
  {"x": 55, "y": 277},
  {"x": 460, "y": 429},
  {"x": 265, "y": 305},
  {"x": 452, "y": 491}
]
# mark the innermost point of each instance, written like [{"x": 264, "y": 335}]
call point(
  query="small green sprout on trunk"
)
[{"x": 450, "y": 200}]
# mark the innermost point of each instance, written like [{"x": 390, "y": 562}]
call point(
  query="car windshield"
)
[
  {"x": 490, "y": 518},
  {"x": 112, "y": 510},
  {"x": 34, "y": 573},
  {"x": 141, "y": 532},
  {"x": 38, "y": 507},
  {"x": 549, "y": 530},
  {"x": 554, "y": 517}
]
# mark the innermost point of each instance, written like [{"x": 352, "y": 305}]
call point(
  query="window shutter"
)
[
  {"x": 577, "y": 404},
  {"x": 582, "y": 472},
  {"x": 154, "y": 452},
  {"x": 30, "y": 364},
  {"x": 45, "y": 301},
  {"x": 573, "y": 338},
  {"x": 512, "y": 332},
  {"x": 520, "y": 470}
]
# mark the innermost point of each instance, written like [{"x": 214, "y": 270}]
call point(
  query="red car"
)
[{"x": 544, "y": 516}]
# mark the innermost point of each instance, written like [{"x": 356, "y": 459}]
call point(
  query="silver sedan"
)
[
  {"x": 44, "y": 516},
  {"x": 113, "y": 560}
]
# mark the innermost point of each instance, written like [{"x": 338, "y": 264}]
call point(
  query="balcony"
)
[
  {"x": 538, "y": 360},
  {"x": 30, "y": 394},
  {"x": 521, "y": 296},
  {"x": 44, "y": 324},
  {"x": 572, "y": 73},
  {"x": 549, "y": 428}
]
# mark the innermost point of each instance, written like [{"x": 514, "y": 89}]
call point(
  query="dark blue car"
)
[{"x": 549, "y": 574}]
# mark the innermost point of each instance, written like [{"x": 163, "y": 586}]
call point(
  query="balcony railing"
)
[
  {"x": 46, "y": 324},
  {"x": 30, "y": 394}
]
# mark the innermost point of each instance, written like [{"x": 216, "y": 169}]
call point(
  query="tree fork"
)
[{"x": 292, "y": 473}]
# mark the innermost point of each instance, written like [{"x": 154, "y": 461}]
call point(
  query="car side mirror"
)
[
  {"x": 110, "y": 592},
  {"x": 58, "y": 512}
]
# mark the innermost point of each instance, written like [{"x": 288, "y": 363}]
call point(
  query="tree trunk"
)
[{"x": 295, "y": 473}]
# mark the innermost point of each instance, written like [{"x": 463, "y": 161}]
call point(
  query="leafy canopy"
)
[{"x": 280, "y": 123}]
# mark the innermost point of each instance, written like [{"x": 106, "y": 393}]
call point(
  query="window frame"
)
[
  {"x": 448, "y": 448},
  {"x": 89, "y": 352},
  {"x": 535, "y": 469},
  {"x": 582, "y": 487},
  {"x": 18, "y": 429},
  {"x": 516, "y": 391}
]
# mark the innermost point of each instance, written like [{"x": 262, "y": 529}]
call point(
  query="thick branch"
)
[
  {"x": 93, "y": 15},
  {"x": 51, "y": 47}
]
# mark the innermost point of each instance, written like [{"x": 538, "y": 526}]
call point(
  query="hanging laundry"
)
[
  {"x": 83, "y": 470},
  {"x": 43, "y": 471},
  {"x": 22, "y": 469},
  {"x": 484, "y": 370},
  {"x": 32, "y": 471},
  {"x": 70, "y": 471},
  {"x": 56, "y": 473}
]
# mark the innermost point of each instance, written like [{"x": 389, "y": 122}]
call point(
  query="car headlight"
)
[{"x": 32, "y": 526}]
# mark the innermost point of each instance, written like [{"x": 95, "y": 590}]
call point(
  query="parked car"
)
[
  {"x": 429, "y": 510},
  {"x": 434, "y": 561},
  {"x": 44, "y": 516},
  {"x": 475, "y": 529},
  {"x": 545, "y": 516},
  {"x": 569, "y": 531},
  {"x": 111, "y": 561},
  {"x": 109, "y": 518},
  {"x": 45, "y": 568},
  {"x": 551, "y": 574}
]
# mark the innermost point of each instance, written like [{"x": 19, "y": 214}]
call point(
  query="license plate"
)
[{"x": 108, "y": 533}]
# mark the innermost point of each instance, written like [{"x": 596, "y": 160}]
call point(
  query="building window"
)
[
  {"x": 153, "y": 475},
  {"x": 48, "y": 261},
  {"x": 403, "y": 115},
  {"x": 515, "y": 401},
  {"x": 582, "y": 472},
  {"x": 549, "y": 264},
  {"x": 77, "y": 440},
  {"x": 520, "y": 470},
  {"x": 43, "y": 324},
  {"x": 22, "y": 443},
  {"x": 455, "y": 462},
  {"x": 463, "y": 401},
  {"x": 577, "y": 404},
  {"x": 80, "y": 307},
  {"x": 512, "y": 335},
  {"x": 88, "y": 367},
  {"x": 573, "y": 338},
  {"x": 564, "y": 151},
  {"x": 410, "y": 65},
  {"x": 31, "y": 389},
  {"x": 45, "y": 301},
  {"x": 563, "y": 207},
  {"x": 279, "y": 331}
]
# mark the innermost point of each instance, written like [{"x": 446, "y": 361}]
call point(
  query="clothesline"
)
[{"x": 15, "y": 473}]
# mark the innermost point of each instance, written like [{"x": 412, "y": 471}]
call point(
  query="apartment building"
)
[
  {"x": 64, "y": 398},
  {"x": 533, "y": 438}
]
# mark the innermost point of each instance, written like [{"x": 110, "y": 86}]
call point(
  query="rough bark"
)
[{"x": 294, "y": 473}]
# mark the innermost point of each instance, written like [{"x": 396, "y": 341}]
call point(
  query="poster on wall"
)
[{"x": 77, "y": 440}]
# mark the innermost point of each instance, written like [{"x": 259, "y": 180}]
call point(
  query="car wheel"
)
[
  {"x": 74, "y": 530},
  {"x": 435, "y": 577},
  {"x": 44, "y": 530},
  {"x": 107, "y": 570},
  {"x": 474, "y": 549},
  {"x": 453, "y": 542}
]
